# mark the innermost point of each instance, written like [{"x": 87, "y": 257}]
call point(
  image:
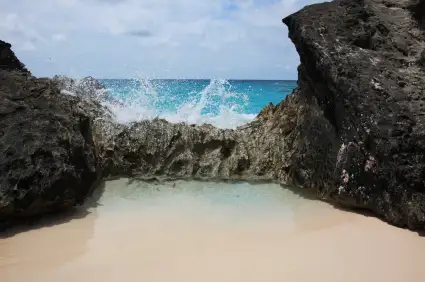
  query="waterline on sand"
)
[{"x": 201, "y": 231}]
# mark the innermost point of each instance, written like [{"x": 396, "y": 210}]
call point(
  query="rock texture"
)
[
  {"x": 8, "y": 60},
  {"x": 361, "y": 137},
  {"x": 48, "y": 159},
  {"x": 159, "y": 149},
  {"x": 353, "y": 130}
]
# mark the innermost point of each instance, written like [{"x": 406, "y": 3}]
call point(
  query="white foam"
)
[
  {"x": 142, "y": 103},
  {"x": 66, "y": 92}
]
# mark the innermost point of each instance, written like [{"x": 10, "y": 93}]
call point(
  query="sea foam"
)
[{"x": 217, "y": 103}]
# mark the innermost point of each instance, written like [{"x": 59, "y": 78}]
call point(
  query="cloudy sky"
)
[{"x": 242, "y": 39}]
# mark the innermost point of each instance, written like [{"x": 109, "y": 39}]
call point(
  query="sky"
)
[{"x": 233, "y": 39}]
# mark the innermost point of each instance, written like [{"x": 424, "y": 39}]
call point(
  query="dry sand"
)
[{"x": 206, "y": 232}]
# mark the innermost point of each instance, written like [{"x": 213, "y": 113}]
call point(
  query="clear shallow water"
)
[
  {"x": 223, "y": 103},
  {"x": 200, "y": 231}
]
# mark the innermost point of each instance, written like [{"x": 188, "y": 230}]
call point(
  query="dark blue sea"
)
[{"x": 223, "y": 103}]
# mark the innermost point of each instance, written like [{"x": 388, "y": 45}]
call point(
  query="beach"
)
[{"x": 206, "y": 231}]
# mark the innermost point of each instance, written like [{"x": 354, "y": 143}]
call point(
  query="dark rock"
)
[
  {"x": 48, "y": 157},
  {"x": 362, "y": 138},
  {"x": 8, "y": 60}
]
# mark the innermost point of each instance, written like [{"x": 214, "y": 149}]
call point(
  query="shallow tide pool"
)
[{"x": 204, "y": 231}]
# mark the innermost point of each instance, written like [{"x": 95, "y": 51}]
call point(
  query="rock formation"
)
[
  {"x": 8, "y": 60},
  {"x": 48, "y": 157},
  {"x": 159, "y": 149},
  {"x": 361, "y": 86},
  {"x": 353, "y": 130}
]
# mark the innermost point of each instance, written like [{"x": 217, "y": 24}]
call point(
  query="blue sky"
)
[{"x": 242, "y": 39}]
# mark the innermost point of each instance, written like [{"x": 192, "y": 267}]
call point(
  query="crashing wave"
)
[
  {"x": 87, "y": 87},
  {"x": 215, "y": 104}
]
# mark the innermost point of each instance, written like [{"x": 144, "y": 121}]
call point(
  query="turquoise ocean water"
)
[{"x": 223, "y": 103}]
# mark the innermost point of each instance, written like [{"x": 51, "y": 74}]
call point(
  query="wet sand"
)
[{"x": 192, "y": 231}]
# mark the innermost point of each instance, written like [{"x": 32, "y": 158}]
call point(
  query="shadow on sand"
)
[
  {"x": 310, "y": 194},
  {"x": 50, "y": 220},
  {"x": 93, "y": 202},
  {"x": 368, "y": 213}
]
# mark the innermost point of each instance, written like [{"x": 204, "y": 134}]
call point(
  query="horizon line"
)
[{"x": 229, "y": 79}]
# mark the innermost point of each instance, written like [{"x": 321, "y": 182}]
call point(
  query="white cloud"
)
[
  {"x": 185, "y": 38},
  {"x": 12, "y": 28},
  {"x": 27, "y": 46},
  {"x": 59, "y": 37}
]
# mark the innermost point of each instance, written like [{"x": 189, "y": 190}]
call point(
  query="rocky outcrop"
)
[
  {"x": 361, "y": 138},
  {"x": 159, "y": 149},
  {"x": 48, "y": 157},
  {"x": 8, "y": 60},
  {"x": 353, "y": 130}
]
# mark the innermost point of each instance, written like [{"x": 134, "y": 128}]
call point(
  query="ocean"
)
[{"x": 220, "y": 102}]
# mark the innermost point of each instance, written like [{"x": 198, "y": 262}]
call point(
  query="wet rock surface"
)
[{"x": 353, "y": 130}]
